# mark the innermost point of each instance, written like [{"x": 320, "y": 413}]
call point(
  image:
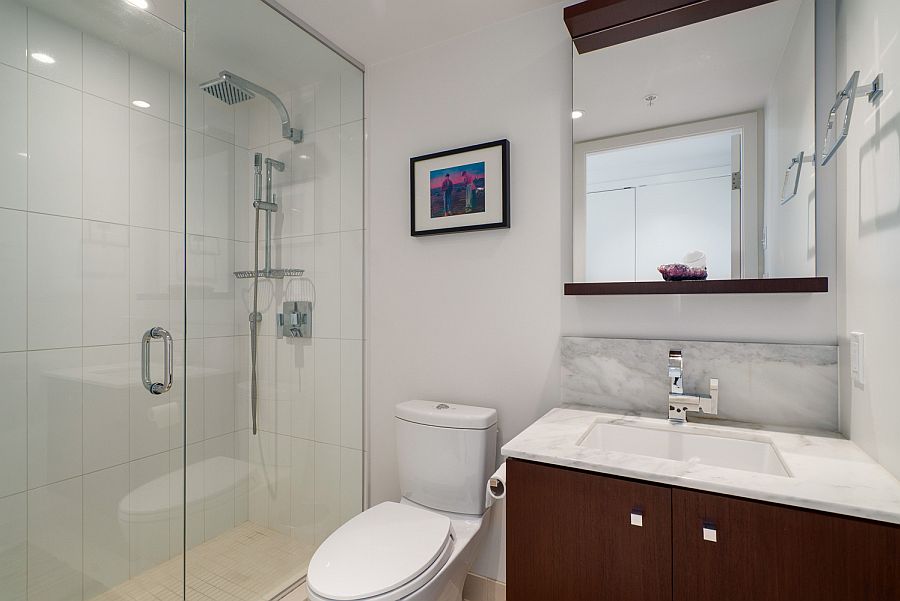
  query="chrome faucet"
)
[{"x": 679, "y": 402}]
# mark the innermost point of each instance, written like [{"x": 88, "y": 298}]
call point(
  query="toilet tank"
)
[{"x": 446, "y": 453}]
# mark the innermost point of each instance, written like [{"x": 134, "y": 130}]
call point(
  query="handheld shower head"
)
[{"x": 231, "y": 89}]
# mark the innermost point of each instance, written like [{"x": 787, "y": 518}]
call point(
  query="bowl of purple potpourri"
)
[{"x": 676, "y": 272}]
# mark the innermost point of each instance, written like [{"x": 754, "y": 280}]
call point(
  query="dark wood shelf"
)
[{"x": 758, "y": 286}]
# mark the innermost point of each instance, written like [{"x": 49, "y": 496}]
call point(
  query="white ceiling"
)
[
  {"x": 718, "y": 67},
  {"x": 372, "y": 31}
]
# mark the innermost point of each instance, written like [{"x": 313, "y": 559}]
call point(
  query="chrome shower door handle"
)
[{"x": 168, "y": 360}]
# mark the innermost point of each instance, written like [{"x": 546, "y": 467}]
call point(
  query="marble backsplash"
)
[{"x": 776, "y": 384}]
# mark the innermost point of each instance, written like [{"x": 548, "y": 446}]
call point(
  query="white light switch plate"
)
[
  {"x": 709, "y": 534},
  {"x": 858, "y": 358}
]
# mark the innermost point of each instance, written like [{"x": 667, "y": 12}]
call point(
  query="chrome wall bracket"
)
[
  {"x": 848, "y": 95},
  {"x": 791, "y": 183}
]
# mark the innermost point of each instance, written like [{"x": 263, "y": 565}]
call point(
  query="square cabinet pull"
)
[
  {"x": 709, "y": 532},
  {"x": 637, "y": 517}
]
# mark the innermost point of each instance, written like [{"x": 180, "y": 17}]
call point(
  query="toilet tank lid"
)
[{"x": 446, "y": 415}]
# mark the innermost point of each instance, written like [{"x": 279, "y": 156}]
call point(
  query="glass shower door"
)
[{"x": 92, "y": 242}]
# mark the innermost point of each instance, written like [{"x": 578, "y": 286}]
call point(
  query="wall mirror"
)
[{"x": 694, "y": 150}]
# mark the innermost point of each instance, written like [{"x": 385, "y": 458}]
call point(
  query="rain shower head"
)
[{"x": 231, "y": 89}]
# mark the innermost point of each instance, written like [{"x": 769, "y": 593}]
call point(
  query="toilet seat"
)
[{"x": 382, "y": 554}]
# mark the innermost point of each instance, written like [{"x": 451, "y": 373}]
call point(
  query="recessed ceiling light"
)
[
  {"x": 24, "y": 155},
  {"x": 43, "y": 58},
  {"x": 304, "y": 156},
  {"x": 577, "y": 114},
  {"x": 141, "y": 104},
  {"x": 141, "y": 4}
]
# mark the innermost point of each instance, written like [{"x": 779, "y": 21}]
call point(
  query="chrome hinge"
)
[{"x": 736, "y": 180}]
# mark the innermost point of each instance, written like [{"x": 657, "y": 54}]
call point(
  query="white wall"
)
[
  {"x": 790, "y": 124},
  {"x": 869, "y": 202},
  {"x": 476, "y": 318}
]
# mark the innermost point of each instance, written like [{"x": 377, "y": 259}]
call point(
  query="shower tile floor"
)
[{"x": 248, "y": 563}]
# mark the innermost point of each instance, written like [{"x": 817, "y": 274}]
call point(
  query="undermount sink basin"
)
[{"x": 689, "y": 446}]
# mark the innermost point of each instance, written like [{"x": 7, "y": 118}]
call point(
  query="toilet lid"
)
[{"x": 378, "y": 551}]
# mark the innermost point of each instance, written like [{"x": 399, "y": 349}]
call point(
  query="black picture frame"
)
[{"x": 504, "y": 194}]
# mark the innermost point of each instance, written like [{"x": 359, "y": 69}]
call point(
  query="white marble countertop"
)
[{"x": 828, "y": 472}]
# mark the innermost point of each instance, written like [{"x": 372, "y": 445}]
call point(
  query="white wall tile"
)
[
  {"x": 105, "y": 70},
  {"x": 55, "y": 542},
  {"x": 218, "y": 119},
  {"x": 13, "y": 31},
  {"x": 328, "y": 180},
  {"x": 352, "y": 176},
  {"x": 149, "y": 82},
  {"x": 218, "y": 188},
  {"x": 106, "y": 389},
  {"x": 241, "y": 382},
  {"x": 150, "y": 414},
  {"x": 352, "y": 393},
  {"x": 49, "y": 36},
  {"x": 105, "y": 171},
  {"x": 149, "y": 540},
  {"x": 106, "y": 281},
  {"x": 218, "y": 287},
  {"x": 189, "y": 290},
  {"x": 176, "y": 98},
  {"x": 281, "y": 187},
  {"x": 149, "y": 273},
  {"x": 243, "y": 195},
  {"x": 193, "y": 182},
  {"x": 327, "y": 279},
  {"x": 13, "y": 416},
  {"x": 303, "y": 186},
  {"x": 280, "y": 493},
  {"x": 149, "y": 171},
  {"x": 351, "y": 95},
  {"x": 54, "y": 147},
  {"x": 195, "y": 492},
  {"x": 194, "y": 104},
  {"x": 14, "y": 540},
  {"x": 193, "y": 380},
  {"x": 328, "y": 390},
  {"x": 176, "y": 177},
  {"x": 328, "y": 102},
  {"x": 106, "y": 541},
  {"x": 241, "y": 476},
  {"x": 328, "y": 490},
  {"x": 261, "y": 119},
  {"x": 218, "y": 387},
  {"x": 302, "y": 109},
  {"x": 352, "y": 284},
  {"x": 262, "y": 455},
  {"x": 54, "y": 281},
  {"x": 54, "y": 415},
  {"x": 218, "y": 483},
  {"x": 13, "y": 136},
  {"x": 13, "y": 264},
  {"x": 242, "y": 125},
  {"x": 303, "y": 491},
  {"x": 351, "y": 483},
  {"x": 296, "y": 378}
]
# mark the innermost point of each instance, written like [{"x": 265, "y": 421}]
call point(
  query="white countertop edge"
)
[{"x": 822, "y": 477}]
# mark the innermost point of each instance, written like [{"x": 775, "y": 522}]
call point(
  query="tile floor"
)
[{"x": 248, "y": 563}]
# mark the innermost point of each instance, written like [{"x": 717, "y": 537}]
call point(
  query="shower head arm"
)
[{"x": 294, "y": 135}]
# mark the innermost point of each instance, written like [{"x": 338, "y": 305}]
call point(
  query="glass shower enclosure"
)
[{"x": 181, "y": 328}]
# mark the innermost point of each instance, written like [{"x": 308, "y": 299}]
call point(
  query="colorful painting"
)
[
  {"x": 460, "y": 190},
  {"x": 457, "y": 190}
]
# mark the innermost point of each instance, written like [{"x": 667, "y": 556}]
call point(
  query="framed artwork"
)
[{"x": 460, "y": 190}]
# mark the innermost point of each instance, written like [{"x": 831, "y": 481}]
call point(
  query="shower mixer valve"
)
[{"x": 295, "y": 321}]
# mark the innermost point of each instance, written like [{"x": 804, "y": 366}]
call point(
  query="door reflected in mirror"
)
[{"x": 685, "y": 151}]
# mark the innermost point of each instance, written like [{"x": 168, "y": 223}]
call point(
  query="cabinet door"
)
[
  {"x": 765, "y": 552},
  {"x": 571, "y": 535}
]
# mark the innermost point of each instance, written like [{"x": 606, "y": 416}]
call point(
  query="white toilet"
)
[{"x": 421, "y": 548}]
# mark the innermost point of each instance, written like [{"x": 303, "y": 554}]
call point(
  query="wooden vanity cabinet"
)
[{"x": 570, "y": 537}]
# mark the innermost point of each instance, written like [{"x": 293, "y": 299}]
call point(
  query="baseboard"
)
[{"x": 479, "y": 588}]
